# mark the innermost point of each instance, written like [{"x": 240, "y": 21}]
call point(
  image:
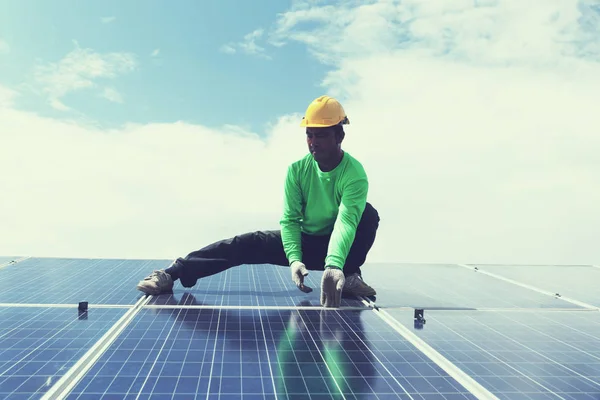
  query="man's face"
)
[{"x": 322, "y": 143}]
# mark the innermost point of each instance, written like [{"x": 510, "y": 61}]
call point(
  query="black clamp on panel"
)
[
  {"x": 419, "y": 320},
  {"x": 82, "y": 310}
]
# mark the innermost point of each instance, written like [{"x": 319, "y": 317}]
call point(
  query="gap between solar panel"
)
[
  {"x": 225, "y": 307},
  {"x": 61, "y": 305}
]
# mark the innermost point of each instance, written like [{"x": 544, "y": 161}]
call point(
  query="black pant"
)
[{"x": 266, "y": 247}]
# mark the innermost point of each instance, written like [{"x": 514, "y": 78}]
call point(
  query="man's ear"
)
[{"x": 339, "y": 136}]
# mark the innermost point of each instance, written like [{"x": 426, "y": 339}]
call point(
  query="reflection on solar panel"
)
[
  {"x": 491, "y": 332},
  {"x": 264, "y": 354}
]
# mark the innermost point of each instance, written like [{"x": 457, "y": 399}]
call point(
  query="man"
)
[{"x": 327, "y": 223}]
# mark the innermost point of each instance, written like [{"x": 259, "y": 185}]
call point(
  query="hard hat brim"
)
[{"x": 305, "y": 123}]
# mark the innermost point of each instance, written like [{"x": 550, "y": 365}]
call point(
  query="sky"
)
[{"x": 151, "y": 129}]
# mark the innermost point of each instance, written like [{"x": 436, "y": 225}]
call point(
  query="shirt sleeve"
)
[
  {"x": 353, "y": 203},
  {"x": 292, "y": 217}
]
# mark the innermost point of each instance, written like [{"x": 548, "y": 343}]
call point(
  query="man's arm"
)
[
  {"x": 354, "y": 200},
  {"x": 292, "y": 218}
]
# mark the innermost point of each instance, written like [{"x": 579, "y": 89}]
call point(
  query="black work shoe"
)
[{"x": 355, "y": 286}]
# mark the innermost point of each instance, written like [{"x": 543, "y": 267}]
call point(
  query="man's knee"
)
[{"x": 370, "y": 218}]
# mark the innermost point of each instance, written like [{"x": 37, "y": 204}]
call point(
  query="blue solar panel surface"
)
[
  {"x": 577, "y": 281},
  {"x": 264, "y": 354},
  {"x": 524, "y": 354},
  {"x": 450, "y": 286},
  {"x": 38, "y": 345},
  {"x": 61, "y": 280},
  {"x": 239, "y": 335},
  {"x": 251, "y": 285}
]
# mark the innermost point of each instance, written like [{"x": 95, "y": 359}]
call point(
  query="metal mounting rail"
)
[{"x": 67, "y": 382}]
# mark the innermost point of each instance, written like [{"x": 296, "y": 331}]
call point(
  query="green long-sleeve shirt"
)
[{"x": 322, "y": 203}]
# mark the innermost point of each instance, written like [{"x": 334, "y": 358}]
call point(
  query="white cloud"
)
[
  {"x": 78, "y": 70},
  {"x": 111, "y": 94},
  {"x": 155, "y": 52},
  {"x": 485, "y": 153},
  {"x": 4, "y": 47},
  {"x": 491, "y": 32},
  {"x": 228, "y": 49},
  {"x": 142, "y": 191},
  {"x": 108, "y": 20},
  {"x": 6, "y": 97},
  {"x": 468, "y": 164},
  {"x": 248, "y": 45}
]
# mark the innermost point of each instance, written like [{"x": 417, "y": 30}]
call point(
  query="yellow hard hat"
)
[{"x": 324, "y": 111}]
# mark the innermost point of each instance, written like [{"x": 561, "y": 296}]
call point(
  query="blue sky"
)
[
  {"x": 476, "y": 122},
  {"x": 190, "y": 79}
]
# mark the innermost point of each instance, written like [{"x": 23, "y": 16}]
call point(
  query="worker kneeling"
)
[{"x": 327, "y": 223}]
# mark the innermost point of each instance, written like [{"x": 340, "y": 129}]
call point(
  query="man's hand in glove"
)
[
  {"x": 299, "y": 271},
  {"x": 331, "y": 287}
]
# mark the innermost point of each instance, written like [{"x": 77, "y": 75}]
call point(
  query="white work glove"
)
[
  {"x": 331, "y": 287},
  {"x": 299, "y": 271}
]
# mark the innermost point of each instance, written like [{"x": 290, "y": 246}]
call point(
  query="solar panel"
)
[
  {"x": 250, "y": 333},
  {"x": 251, "y": 285},
  {"x": 38, "y": 345},
  {"x": 450, "y": 286},
  {"x": 62, "y": 280},
  {"x": 521, "y": 354},
  {"x": 264, "y": 354},
  {"x": 575, "y": 281}
]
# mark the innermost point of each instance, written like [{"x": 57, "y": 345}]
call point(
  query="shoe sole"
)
[
  {"x": 151, "y": 292},
  {"x": 145, "y": 290}
]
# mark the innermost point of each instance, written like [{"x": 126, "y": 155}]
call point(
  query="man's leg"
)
[
  {"x": 314, "y": 248},
  {"x": 260, "y": 247},
  {"x": 363, "y": 241}
]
